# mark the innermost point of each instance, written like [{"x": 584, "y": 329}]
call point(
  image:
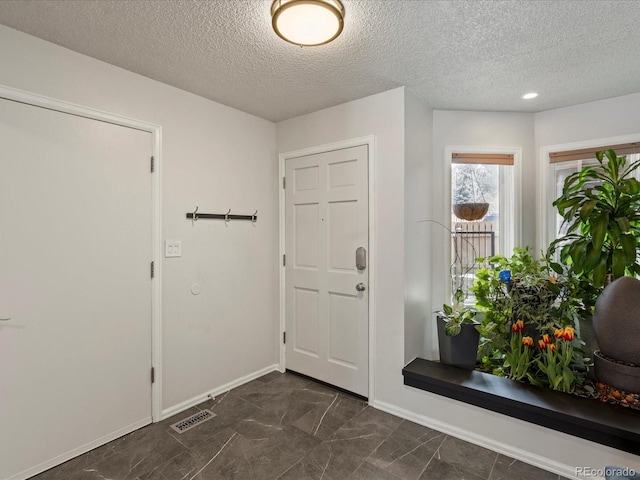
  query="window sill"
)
[{"x": 610, "y": 425}]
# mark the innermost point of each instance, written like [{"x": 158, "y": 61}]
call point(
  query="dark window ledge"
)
[{"x": 610, "y": 425}]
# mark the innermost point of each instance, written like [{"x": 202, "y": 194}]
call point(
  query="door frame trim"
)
[
  {"x": 369, "y": 141},
  {"x": 30, "y": 98}
]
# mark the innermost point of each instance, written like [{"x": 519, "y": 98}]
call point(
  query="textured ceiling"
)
[{"x": 457, "y": 55}]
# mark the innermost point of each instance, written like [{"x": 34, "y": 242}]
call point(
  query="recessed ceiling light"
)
[
  {"x": 307, "y": 22},
  {"x": 529, "y": 96}
]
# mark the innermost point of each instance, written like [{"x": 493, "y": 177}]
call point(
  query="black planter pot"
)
[{"x": 460, "y": 350}]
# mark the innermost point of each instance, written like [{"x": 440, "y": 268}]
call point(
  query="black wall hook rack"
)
[{"x": 195, "y": 216}]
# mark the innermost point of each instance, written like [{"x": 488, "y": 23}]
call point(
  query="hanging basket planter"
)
[{"x": 470, "y": 211}]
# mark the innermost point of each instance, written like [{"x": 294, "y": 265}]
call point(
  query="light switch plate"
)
[{"x": 172, "y": 248}]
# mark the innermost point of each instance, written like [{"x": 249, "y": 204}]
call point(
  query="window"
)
[
  {"x": 480, "y": 179},
  {"x": 565, "y": 163}
]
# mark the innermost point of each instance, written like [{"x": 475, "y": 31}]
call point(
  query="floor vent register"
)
[{"x": 193, "y": 421}]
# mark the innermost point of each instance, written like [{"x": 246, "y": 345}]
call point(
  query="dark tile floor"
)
[{"x": 282, "y": 426}]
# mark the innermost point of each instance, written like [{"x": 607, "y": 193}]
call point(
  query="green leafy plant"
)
[
  {"x": 494, "y": 304},
  {"x": 601, "y": 207},
  {"x": 457, "y": 314},
  {"x": 520, "y": 288}
]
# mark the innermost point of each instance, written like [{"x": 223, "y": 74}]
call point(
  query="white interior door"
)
[
  {"x": 75, "y": 253},
  {"x": 326, "y": 298}
]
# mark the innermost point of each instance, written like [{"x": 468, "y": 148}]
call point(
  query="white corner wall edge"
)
[
  {"x": 60, "y": 459},
  {"x": 181, "y": 407},
  {"x": 566, "y": 471}
]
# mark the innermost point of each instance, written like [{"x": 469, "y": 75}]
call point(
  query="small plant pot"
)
[{"x": 460, "y": 350}]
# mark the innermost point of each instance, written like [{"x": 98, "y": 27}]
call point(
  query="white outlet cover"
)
[{"x": 172, "y": 248}]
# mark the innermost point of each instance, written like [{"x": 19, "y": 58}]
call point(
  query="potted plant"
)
[
  {"x": 457, "y": 334},
  {"x": 520, "y": 289},
  {"x": 601, "y": 207},
  {"x": 456, "y": 326}
]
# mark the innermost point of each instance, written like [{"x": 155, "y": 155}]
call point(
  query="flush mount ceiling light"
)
[
  {"x": 529, "y": 96},
  {"x": 307, "y": 22}
]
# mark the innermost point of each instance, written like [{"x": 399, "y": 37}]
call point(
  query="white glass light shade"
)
[{"x": 307, "y": 22}]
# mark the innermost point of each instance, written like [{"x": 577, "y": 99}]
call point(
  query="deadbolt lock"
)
[{"x": 361, "y": 258}]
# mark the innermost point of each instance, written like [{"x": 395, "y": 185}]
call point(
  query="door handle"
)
[
  {"x": 361, "y": 258},
  {"x": 361, "y": 287}
]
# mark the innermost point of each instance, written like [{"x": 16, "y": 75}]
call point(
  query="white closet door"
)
[{"x": 75, "y": 253}]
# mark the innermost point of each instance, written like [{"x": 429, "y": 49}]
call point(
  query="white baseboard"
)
[
  {"x": 509, "y": 450},
  {"x": 192, "y": 402},
  {"x": 60, "y": 459}
]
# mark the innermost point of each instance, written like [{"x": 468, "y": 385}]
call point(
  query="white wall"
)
[
  {"x": 214, "y": 157},
  {"x": 418, "y": 124},
  {"x": 590, "y": 121}
]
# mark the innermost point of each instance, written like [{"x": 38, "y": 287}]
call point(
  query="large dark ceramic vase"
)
[
  {"x": 616, "y": 321},
  {"x": 460, "y": 350}
]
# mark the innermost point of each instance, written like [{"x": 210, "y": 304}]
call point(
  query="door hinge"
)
[
  {"x": 153, "y": 164},
  {"x": 153, "y": 269},
  {"x": 284, "y": 260},
  {"x": 284, "y": 337},
  {"x": 153, "y": 375},
  {"x": 284, "y": 182}
]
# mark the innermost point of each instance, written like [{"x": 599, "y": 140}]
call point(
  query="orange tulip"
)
[
  {"x": 569, "y": 333},
  {"x": 559, "y": 333},
  {"x": 541, "y": 344},
  {"x": 527, "y": 341},
  {"x": 552, "y": 347},
  {"x": 518, "y": 326},
  {"x": 546, "y": 338}
]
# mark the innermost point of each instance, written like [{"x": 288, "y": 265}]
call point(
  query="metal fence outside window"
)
[{"x": 471, "y": 240}]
